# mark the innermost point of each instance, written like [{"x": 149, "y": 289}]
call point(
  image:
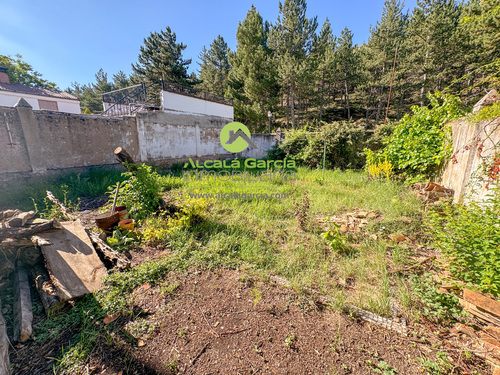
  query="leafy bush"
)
[
  {"x": 140, "y": 192},
  {"x": 470, "y": 240},
  {"x": 490, "y": 112},
  {"x": 344, "y": 146},
  {"x": 441, "y": 306},
  {"x": 421, "y": 141}
]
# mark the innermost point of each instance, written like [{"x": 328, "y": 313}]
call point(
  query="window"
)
[{"x": 48, "y": 104}]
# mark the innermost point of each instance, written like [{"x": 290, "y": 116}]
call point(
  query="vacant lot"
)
[{"x": 258, "y": 285}]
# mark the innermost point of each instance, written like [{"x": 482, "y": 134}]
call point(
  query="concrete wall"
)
[
  {"x": 176, "y": 102},
  {"x": 265, "y": 142},
  {"x": 165, "y": 137},
  {"x": 45, "y": 141},
  {"x": 9, "y": 99},
  {"x": 472, "y": 144}
]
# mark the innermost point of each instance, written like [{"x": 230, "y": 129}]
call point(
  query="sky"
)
[{"x": 69, "y": 41}]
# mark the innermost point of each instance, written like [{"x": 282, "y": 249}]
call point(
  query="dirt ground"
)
[{"x": 223, "y": 322}]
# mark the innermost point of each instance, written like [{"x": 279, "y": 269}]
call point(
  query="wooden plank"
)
[
  {"x": 23, "y": 315},
  {"x": 73, "y": 265},
  {"x": 4, "y": 346},
  {"x": 483, "y": 302},
  {"x": 481, "y": 314}
]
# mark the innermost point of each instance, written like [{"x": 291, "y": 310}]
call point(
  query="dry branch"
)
[{"x": 61, "y": 207}]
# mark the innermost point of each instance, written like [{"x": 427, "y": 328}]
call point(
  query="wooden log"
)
[
  {"x": 115, "y": 259},
  {"x": 8, "y": 213},
  {"x": 483, "y": 302},
  {"x": 29, "y": 231},
  {"x": 125, "y": 159},
  {"x": 20, "y": 219},
  {"x": 72, "y": 262},
  {"x": 23, "y": 315},
  {"x": 45, "y": 289},
  {"x": 4, "y": 346}
]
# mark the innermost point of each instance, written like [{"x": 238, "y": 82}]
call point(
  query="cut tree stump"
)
[
  {"x": 4, "y": 346},
  {"x": 23, "y": 315},
  {"x": 46, "y": 289},
  {"x": 125, "y": 159},
  {"x": 74, "y": 266}
]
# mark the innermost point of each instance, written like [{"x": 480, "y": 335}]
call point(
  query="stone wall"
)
[{"x": 38, "y": 143}]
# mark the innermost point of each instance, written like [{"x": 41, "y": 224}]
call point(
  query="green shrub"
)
[
  {"x": 140, "y": 192},
  {"x": 469, "y": 237},
  {"x": 344, "y": 146},
  {"x": 422, "y": 141},
  {"x": 443, "y": 307}
]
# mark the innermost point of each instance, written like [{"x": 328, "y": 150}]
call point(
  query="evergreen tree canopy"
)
[
  {"x": 161, "y": 58},
  {"x": 291, "y": 39},
  {"x": 252, "y": 79},
  {"x": 214, "y": 67}
]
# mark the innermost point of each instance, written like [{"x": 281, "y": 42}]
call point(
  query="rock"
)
[
  {"x": 490, "y": 98},
  {"x": 397, "y": 237}
]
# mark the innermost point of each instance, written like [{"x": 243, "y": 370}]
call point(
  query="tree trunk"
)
[
  {"x": 292, "y": 105},
  {"x": 422, "y": 88},
  {"x": 321, "y": 96},
  {"x": 347, "y": 100}
]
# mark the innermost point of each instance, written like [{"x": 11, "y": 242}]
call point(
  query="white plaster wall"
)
[
  {"x": 264, "y": 143},
  {"x": 163, "y": 141},
  {"x": 9, "y": 99},
  {"x": 182, "y": 103}
]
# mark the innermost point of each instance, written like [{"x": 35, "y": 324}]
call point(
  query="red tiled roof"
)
[{"x": 23, "y": 89}]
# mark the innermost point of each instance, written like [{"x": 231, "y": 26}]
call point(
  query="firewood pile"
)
[
  {"x": 483, "y": 337},
  {"x": 430, "y": 192},
  {"x": 63, "y": 259}
]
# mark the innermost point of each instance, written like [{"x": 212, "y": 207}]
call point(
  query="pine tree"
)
[
  {"x": 432, "y": 45},
  {"x": 291, "y": 39},
  {"x": 252, "y": 79},
  {"x": 324, "y": 60},
  {"x": 348, "y": 66},
  {"x": 379, "y": 55},
  {"x": 161, "y": 58},
  {"x": 480, "y": 27},
  {"x": 214, "y": 67},
  {"x": 120, "y": 80}
]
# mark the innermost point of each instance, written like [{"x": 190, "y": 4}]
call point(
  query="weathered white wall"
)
[
  {"x": 37, "y": 142},
  {"x": 472, "y": 143},
  {"x": 165, "y": 136},
  {"x": 9, "y": 99},
  {"x": 264, "y": 142},
  {"x": 187, "y": 104}
]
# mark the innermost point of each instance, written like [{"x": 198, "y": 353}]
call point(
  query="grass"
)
[
  {"x": 261, "y": 237},
  {"x": 75, "y": 185}
]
